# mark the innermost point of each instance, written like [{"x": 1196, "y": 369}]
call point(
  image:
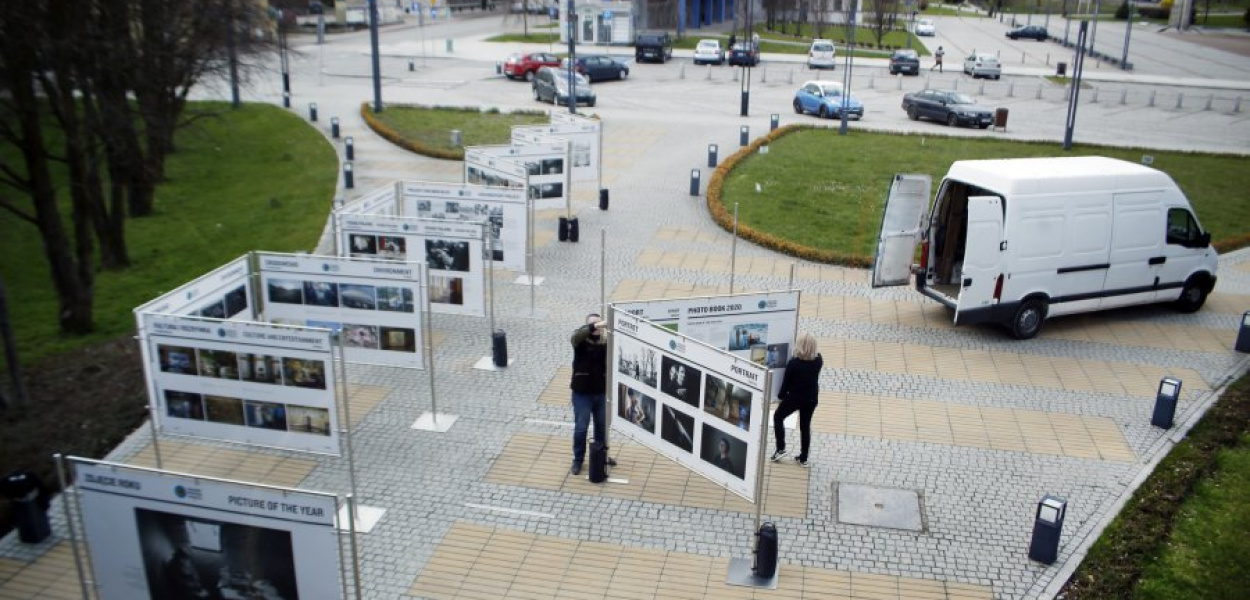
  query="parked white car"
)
[
  {"x": 982, "y": 64},
  {"x": 925, "y": 27},
  {"x": 821, "y": 55},
  {"x": 708, "y": 52}
]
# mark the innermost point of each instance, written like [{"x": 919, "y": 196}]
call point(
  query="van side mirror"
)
[{"x": 1204, "y": 240}]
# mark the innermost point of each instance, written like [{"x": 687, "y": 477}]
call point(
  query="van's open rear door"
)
[
  {"x": 982, "y": 254},
  {"x": 901, "y": 226}
]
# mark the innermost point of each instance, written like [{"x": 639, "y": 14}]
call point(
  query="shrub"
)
[{"x": 1121, "y": 13}]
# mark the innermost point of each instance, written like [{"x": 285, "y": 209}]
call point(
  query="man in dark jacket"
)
[{"x": 590, "y": 362}]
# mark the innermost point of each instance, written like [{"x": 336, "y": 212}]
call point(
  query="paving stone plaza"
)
[{"x": 932, "y": 443}]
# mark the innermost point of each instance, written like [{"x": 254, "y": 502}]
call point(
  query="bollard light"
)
[
  {"x": 349, "y": 178},
  {"x": 1165, "y": 402},
  {"x": 312, "y": 112},
  {"x": 334, "y": 127},
  {"x": 744, "y": 135},
  {"x": 711, "y": 156},
  {"x": 412, "y": 65},
  {"x": 349, "y": 147},
  {"x": 1047, "y": 527},
  {"x": 603, "y": 198},
  {"x": 694, "y": 182},
  {"x": 1243, "y": 334},
  {"x": 286, "y": 99},
  {"x": 774, "y": 121}
]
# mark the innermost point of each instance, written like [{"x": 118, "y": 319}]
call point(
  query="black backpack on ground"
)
[{"x": 598, "y": 463}]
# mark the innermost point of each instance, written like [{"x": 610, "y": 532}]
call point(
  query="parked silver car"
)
[{"x": 983, "y": 64}]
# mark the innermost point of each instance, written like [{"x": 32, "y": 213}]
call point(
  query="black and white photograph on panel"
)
[
  {"x": 447, "y": 255},
  {"x": 680, "y": 380},
  {"x": 397, "y": 339},
  {"x": 216, "y": 310},
  {"x": 361, "y": 297},
  {"x": 581, "y": 154},
  {"x": 729, "y": 402},
  {"x": 192, "y": 558},
  {"x": 218, "y": 363},
  {"x": 392, "y": 247},
  {"x": 236, "y": 301},
  {"x": 308, "y": 419},
  {"x": 677, "y": 428},
  {"x": 265, "y": 415},
  {"x": 395, "y": 299},
  {"x": 496, "y": 229},
  {"x": 176, "y": 359},
  {"x": 724, "y": 451},
  {"x": 224, "y": 410},
  {"x": 304, "y": 372},
  {"x": 255, "y": 368},
  {"x": 636, "y": 407},
  {"x": 539, "y": 191},
  {"x": 184, "y": 405},
  {"x": 362, "y": 245},
  {"x": 639, "y": 362},
  {"x": 446, "y": 290},
  {"x": 286, "y": 291},
  {"x": 360, "y": 336},
  {"x": 743, "y": 337},
  {"x": 552, "y": 166},
  {"x": 777, "y": 355},
  {"x": 321, "y": 293},
  {"x": 534, "y": 168}
]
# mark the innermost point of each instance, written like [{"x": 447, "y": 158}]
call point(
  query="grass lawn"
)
[
  {"x": 896, "y": 38},
  {"x": 1207, "y": 556},
  {"x": 826, "y": 191},
  {"x": 430, "y": 127},
  {"x": 257, "y": 178},
  {"x": 532, "y": 38}
]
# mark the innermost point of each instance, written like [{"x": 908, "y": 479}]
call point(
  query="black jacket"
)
[
  {"x": 802, "y": 380},
  {"x": 590, "y": 355}
]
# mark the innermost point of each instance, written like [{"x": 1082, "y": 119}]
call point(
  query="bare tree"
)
[{"x": 881, "y": 18}]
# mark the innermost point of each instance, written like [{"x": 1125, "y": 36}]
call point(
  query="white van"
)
[
  {"x": 1015, "y": 241},
  {"x": 822, "y": 55}
]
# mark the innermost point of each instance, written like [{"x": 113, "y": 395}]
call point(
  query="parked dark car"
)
[
  {"x": 523, "y": 66},
  {"x": 552, "y": 85},
  {"x": 905, "y": 61},
  {"x": 598, "y": 67},
  {"x": 653, "y": 47},
  {"x": 744, "y": 54},
  {"x": 1036, "y": 32},
  {"x": 947, "y": 106}
]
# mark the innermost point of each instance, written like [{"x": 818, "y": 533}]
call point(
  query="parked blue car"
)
[{"x": 826, "y": 100}]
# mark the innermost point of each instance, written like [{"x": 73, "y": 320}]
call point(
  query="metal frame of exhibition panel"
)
[
  {"x": 375, "y": 306},
  {"x": 460, "y": 247},
  {"x": 381, "y": 201},
  {"x": 142, "y": 527},
  {"x": 761, "y": 326},
  {"x": 505, "y": 209}
]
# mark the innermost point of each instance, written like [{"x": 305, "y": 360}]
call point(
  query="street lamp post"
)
[
  {"x": 1073, "y": 98},
  {"x": 377, "y": 65},
  {"x": 572, "y": 17},
  {"x": 846, "y": 75},
  {"x": 1128, "y": 32}
]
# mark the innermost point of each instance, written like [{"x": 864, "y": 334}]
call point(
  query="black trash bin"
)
[
  {"x": 1000, "y": 119},
  {"x": 1061, "y": 69},
  {"x": 29, "y": 499}
]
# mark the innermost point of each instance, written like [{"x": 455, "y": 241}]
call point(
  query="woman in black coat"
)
[{"x": 799, "y": 392}]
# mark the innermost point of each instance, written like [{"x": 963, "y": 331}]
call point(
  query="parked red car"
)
[{"x": 523, "y": 66}]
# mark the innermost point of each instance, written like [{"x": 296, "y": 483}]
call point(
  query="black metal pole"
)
[
  {"x": 1128, "y": 33},
  {"x": 748, "y": 40},
  {"x": 846, "y": 77},
  {"x": 572, "y": 18},
  {"x": 10, "y": 351},
  {"x": 233, "y": 57},
  {"x": 1076, "y": 85},
  {"x": 377, "y": 66}
]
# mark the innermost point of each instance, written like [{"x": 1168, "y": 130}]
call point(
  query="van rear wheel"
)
[
  {"x": 1028, "y": 320},
  {"x": 1193, "y": 296}
]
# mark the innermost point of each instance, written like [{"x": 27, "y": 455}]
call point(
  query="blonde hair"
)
[{"x": 806, "y": 348}]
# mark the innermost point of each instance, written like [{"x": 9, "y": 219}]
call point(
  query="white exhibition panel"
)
[
  {"x": 236, "y": 381},
  {"x": 223, "y": 293},
  {"x": 760, "y": 327},
  {"x": 375, "y": 305},
  {"x": 453, "y": 253},
  {"x": 690, "y": 402},
  {"x": 382, "y": 201},
  {"x": 546, "y": 167},
  {"x": 585, "y": 142},
  {"x": 154, "y": 534},
  {"x": 504, "y": 209}
]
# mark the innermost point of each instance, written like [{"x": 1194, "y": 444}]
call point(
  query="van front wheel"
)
[
  {"x": 1028, "y": 319},
  {"x": 1193, "y": 296}
]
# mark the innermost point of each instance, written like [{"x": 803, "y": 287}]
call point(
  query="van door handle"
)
[{"x": 1158, "y": 260}]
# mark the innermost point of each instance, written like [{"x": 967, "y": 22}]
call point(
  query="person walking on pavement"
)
[
  {"x": 799, "y": 392},
  {"x": 590, "y": 354},
  {"x": 937, "y": 60}
]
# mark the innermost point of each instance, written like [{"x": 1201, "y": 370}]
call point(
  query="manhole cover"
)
[{"x": 879, "y": 507}]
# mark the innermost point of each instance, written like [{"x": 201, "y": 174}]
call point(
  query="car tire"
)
[
  {"x": 1193, "y": 296},
  {"x": 1027, "y": 321},
  {"x": 590, "y": 104},
  {"x": 798, "y": 107},
  {"x": 913, "y": 114},
  {"x": 529, "y": 76},
  {"x": 537, "y": 96},
  {"x": 996, "y": 77},
  {"x": 952, "y": 120},
  {"x": 984, "y": 126},
  {"x": 622, "y": 74}
]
